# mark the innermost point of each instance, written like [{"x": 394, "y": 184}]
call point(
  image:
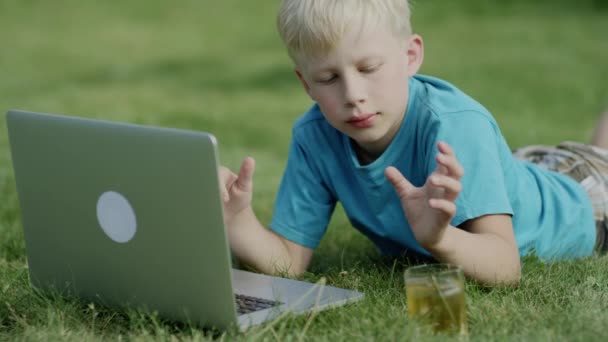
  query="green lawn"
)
[{"x": 218, "y": 66}]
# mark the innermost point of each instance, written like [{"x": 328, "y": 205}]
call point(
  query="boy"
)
[{"x": 417, "y": 165}]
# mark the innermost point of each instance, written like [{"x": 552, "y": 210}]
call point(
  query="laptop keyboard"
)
[{"x": 247, "y": 304}]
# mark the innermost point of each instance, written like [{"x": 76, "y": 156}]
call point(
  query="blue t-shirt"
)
[{"x": 552, "y": 215}]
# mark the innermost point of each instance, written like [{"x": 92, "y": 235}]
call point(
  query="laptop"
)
[{"x": 130, "y": 215}]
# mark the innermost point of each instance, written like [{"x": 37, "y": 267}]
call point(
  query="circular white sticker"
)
[{"x": 116, "y": 216}]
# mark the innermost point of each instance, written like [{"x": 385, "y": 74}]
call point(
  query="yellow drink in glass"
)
[{"x": 435, "y": 295}]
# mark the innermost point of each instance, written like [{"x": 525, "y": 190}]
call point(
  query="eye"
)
[
  {"x": 327, "y": 80},
  {"x": 368, "y": 69}
]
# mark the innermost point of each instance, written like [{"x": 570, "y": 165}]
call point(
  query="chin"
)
[{"x": 366, "y": 138}]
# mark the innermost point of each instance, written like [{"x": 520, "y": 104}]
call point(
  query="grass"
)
[{"x": 218, "y": 66}]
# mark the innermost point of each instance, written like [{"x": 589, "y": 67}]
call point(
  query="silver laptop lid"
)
[{"x": 123, "y": 213}]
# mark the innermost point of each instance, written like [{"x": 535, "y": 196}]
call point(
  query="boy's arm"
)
[
  {"x": 486, "y": 249},
  {"x": 252, "y": 243},
  {"x": 263, "y": 249}
]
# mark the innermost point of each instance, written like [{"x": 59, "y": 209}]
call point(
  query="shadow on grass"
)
[
  {"x": 56, "y": 309},
  {"x": 244, "y": 134},
  {"x": 12, "y": 244},
  {"x": 550, "y": 6},
  {"x": 197, "y": 72}
]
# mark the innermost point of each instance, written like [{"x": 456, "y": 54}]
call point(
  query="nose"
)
[{"x": 354, "y": 90}]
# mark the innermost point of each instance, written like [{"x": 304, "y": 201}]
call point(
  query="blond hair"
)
[{"x": 313, "y": 27}]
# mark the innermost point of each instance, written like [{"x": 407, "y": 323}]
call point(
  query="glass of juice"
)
[{"x": 435, "y": 295}]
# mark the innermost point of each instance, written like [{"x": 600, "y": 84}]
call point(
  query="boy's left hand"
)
[{"x": 430, "y": 208}]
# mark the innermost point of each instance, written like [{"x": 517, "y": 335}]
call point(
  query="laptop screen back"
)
[{"x": 123, "y": 214}]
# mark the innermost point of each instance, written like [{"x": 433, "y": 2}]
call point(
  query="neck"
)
[
  {"x": 365, "y": 156},
  {"x": 367, "y": 153}
]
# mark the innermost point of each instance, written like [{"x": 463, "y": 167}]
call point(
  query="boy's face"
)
[{"x": 362, "y": 85}]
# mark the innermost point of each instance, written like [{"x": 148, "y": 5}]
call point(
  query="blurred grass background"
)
[{"x": 540, "y": 67}]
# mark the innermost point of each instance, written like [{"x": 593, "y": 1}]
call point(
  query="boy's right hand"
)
[
  {"x": 236, "y": 190},
  {"x": 429, "y": 209}
]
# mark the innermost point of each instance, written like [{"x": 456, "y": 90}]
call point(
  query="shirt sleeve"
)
[
  {"x": 476, "y": 142},
  {"x": 304, "y": 204}
]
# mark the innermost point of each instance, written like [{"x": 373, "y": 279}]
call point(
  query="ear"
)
[
  {"x": 303, "y": 81},
  {"x": 415, "y": 54}
]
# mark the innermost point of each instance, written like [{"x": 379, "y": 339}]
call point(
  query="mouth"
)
[{"x": 363, "y": 120}]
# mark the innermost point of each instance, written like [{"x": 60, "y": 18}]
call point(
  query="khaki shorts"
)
[{"x": 586, "y": 164}]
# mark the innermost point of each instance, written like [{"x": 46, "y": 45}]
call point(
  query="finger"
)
[
  {"x": 224, "y": 194},
  {"x": 445, "y": 148},
  {"x": 441, "y": 169},
  {"x": 441, "y": 147},
  {"x": 450, "y": 186},
  {"x": 447, "y": 161},
  {"x": 245, "y": 180},
  {"x": 446, "y": 207},
  {"x": 227, "y": 177},
  {"x": 401, "y": 184}
]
